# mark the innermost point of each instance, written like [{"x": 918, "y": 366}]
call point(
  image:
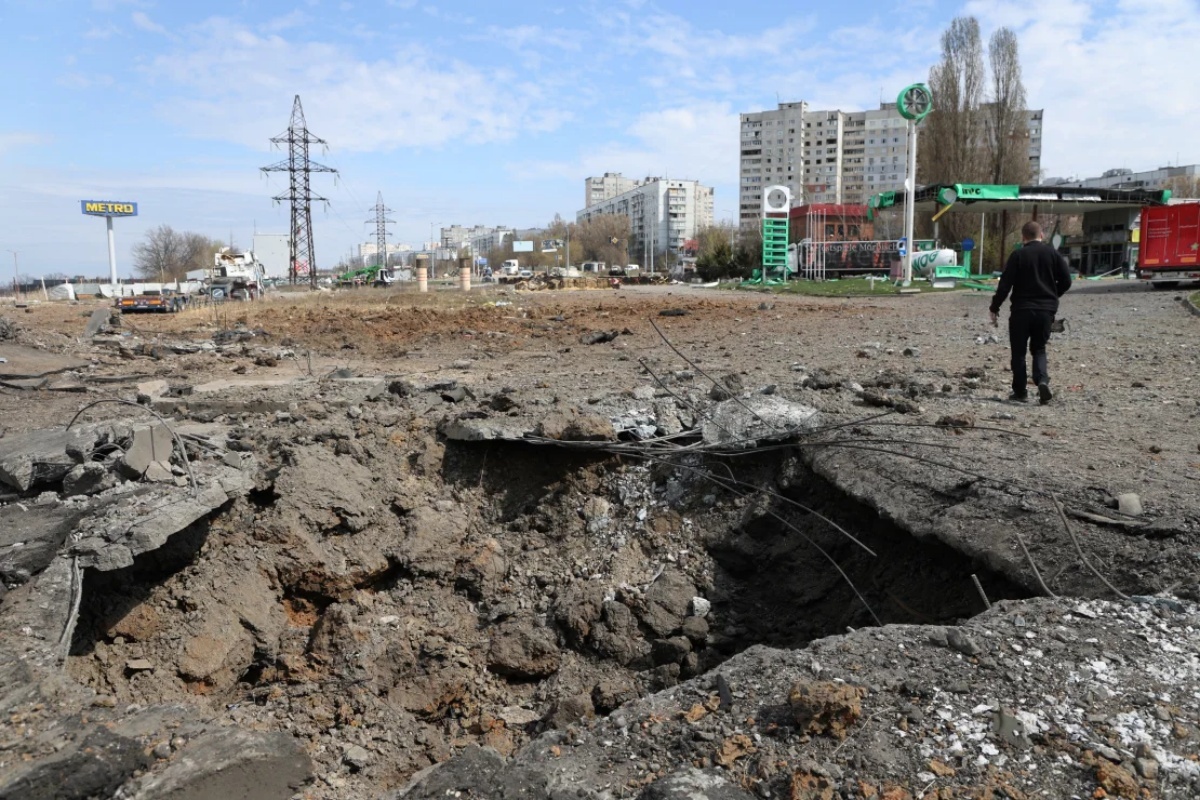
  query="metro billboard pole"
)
[{"x": 109, "y": 209}]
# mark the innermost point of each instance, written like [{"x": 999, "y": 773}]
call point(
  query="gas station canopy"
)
[{"x": 990, "y": 198}]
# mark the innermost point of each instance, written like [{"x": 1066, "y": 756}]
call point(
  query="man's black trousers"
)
[{"x": 1029, "y": 330}]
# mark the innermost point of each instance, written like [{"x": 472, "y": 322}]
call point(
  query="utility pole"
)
[
  {"x": 381, "y": 222},
  {"x": 298, "y": 166}
]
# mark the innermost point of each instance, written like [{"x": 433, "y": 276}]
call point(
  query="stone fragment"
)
[
  {"x": 357, "y": 757},
  {"x": 41, "y": 456},
  {"x": 570, "y": 710},
  {"x": 96, "y": 322},
  {"x": 694, "y": 784},
  {"x": 88, "y": 478},
  {"x": 1009, "y": 728},
  {"x": 958, "y": 640},
  {"x": 825, "y": 708},
  {"x": 576, "y": 427},
  {"x": 667, "y": 602},
  {"x": 229, "y": 763},
  {"x": 598, "y": 337},
  {"x": 151, "y": 444},
  {"x": 1129, "y": 503},
  {"x": 523, "y": 651}
]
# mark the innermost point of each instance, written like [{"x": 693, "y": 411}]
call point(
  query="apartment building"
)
[
  {"x": 606, "y": 187},
  {"x": 1122, "y": 178},
  {"x": 831, "y": 156},
  {"x": 663, "y": 213}
]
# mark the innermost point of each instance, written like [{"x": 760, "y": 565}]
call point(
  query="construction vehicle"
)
[
  {"x": 235, "y": 276},
  {"x": 374, "y": 275},
  {"x": 1169, "y": 246}
]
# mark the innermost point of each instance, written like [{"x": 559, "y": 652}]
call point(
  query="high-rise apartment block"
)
[
  {"x": 606, "y": 187},
  {"x": 833, "y": 156},
  {"x": 663, "y": 213}
]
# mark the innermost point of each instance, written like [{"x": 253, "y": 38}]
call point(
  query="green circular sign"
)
[{"x": 915, "y": 102}]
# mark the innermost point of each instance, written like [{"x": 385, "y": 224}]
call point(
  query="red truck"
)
[{"x": 1169, "y": 250}]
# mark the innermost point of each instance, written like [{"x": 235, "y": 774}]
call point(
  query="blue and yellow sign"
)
[{"x": 108, "y": 208}]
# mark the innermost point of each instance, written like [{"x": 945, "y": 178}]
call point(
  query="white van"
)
[{"x": 593, "y": 266}]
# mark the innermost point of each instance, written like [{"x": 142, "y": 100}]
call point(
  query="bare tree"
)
[
  {"x": 1007, "y": 117},
  {"x": 1186, "y": 186},
  {"x": 168, "y": 255},
  {"x": 949, "y": 151},
  {"x": 604, "y": 238}
]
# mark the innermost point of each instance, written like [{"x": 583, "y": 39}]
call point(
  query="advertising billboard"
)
[
  {"x": 108, "y": 208},
  {"x": 522, "y": 246}
]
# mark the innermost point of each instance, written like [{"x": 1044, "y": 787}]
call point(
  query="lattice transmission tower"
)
[
  {"x": 381, "y": 231},
  {"x": 299, "y": 166}
]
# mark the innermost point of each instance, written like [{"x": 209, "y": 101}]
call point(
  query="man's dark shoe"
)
[
  {"x": 1018, "y": 397},
  {"x": 1044, "y": 393}
]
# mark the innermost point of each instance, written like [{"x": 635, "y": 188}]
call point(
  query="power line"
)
[{"x": 300, "y": 196}]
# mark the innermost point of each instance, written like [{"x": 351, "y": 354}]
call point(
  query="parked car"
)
[{"x": 525, "y": 274}]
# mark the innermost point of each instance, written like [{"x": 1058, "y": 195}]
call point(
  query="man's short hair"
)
[{"x": 1030, "y": 231}]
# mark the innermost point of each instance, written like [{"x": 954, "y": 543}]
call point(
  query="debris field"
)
[{"x": 658, "y": 542}]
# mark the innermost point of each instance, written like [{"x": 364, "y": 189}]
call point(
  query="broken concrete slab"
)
[
  {"x": 231, "y": 762},
  {"x": 21, "y": 361},
  {"x": 29, "y": 541},
  {"x": 99, "y": 319},
  {"x": 741, "y": 423},
  {"x": 471, "y": 427},
  {"x": 93, "y": 764},
  {"x": 152, "y": 444},
  {"x": 110, "y": 540},
  {"x": 41, "y": 456}
]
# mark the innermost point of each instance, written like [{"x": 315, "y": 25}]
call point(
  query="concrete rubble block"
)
[
  {"x": 471, "y": 427},
  {"x": 1129, "y": 503},
  {"x": 97, "y": 322},
  {"x": 229, "y": 763},
  {"x": 90, "y": 477},
  {"x": 694, "y": 784},
  {"x": 475, "y": 772},
  {"x": 740, "y": 423},
  {"x": 148, "y": 391},
  {"x": 41, "y": 456},
  {"x": 93, "y": 764},
  {"x": 152, "y": 444},
  {"x": 29, "y": 541},
  {"x": 576, "y": 427}
]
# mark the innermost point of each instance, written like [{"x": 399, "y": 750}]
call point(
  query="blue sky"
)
[{"x": 494, "y": 112}]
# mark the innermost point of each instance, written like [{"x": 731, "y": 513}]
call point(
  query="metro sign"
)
[{"x": 108, "y": 208}]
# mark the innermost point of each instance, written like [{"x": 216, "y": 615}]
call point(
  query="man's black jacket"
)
[{"x": 1036, "y": 275}]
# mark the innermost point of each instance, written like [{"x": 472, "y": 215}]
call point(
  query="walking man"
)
[{"x": 1037, "y": 276}]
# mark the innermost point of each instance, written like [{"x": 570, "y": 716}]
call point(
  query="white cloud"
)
[
  {"x": 1118, "y": 88},
  {"x": 226, "y": 81},
  {"x": 102, "y": 32},
  {"x": 142, "y": 21},
  {"x": 696, "y": 141},
  {"x": 12, "y": 140}
]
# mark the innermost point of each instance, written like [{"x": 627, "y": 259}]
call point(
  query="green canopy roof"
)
[{"x": 988, "y": 198}]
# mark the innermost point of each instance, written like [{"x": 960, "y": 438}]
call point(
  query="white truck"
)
[{"x": 510, "y": 268}]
